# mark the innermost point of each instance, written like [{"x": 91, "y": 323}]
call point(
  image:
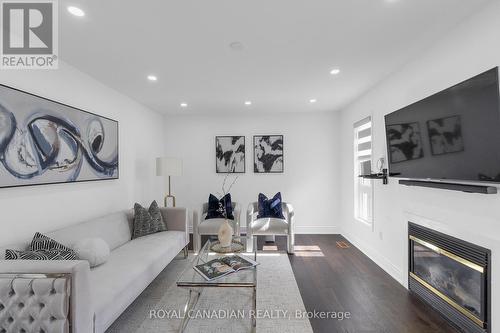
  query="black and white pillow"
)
[
  {"x": 40, "y": 255},
  {"x": 147, "y": 221},
  {"x": 42, "y": 242},
  {"x": 42, "y": 248}
]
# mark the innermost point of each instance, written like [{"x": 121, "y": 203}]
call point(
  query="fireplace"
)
[{"x": 452, "y": 276}]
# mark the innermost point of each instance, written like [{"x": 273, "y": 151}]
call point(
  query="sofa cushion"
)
[
  {"x": 128, "y": 271},
  {"x": 114, "y": 229},
  {"x": 212, "y": 226},
  {"x": 94, "y": 250},
  {"x": 270, "y": 226}
]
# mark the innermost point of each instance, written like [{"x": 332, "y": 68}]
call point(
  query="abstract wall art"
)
[
  {"x": 268, "y": 153},
  {"x": 405, "y": 142},
  {"x": 46, "y": 142},
  {"x": 230, "y": 154},
  {"x": 445, "y": 135}
]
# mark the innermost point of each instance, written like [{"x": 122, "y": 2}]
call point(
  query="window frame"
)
[{"x": 363, "y": 186}]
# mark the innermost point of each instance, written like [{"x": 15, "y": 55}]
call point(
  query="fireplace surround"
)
[{"x": 452, "y": 276}]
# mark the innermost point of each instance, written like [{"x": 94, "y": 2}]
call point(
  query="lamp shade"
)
[{"x": 168, "y": 166}]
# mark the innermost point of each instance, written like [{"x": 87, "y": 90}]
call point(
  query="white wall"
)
[
  {"x": 470, "y": 49},
  {"x": 310, "y": 162},
  {"x": 48, "y": 207}
]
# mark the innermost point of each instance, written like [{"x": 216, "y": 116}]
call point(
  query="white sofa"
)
[{"x": 99, "y": 295}]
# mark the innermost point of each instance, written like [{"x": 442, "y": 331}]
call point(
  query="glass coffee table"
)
[{"x": 195, "y": 283}]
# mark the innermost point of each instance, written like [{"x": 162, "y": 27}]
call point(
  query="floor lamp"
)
[{"x": 167, "y": 167}]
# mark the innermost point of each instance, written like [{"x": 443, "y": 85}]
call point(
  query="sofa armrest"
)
[
  {"x": 81, "y": 310},
  {"x": 176, "y": 219}
]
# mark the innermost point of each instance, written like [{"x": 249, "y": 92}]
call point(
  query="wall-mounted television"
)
[{"x": 451, "y": 135}]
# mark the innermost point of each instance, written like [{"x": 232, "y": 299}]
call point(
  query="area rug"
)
[{"x": 279, "y": 304}]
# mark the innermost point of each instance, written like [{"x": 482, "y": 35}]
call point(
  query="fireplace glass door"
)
[{"x": 456, "y": 280}]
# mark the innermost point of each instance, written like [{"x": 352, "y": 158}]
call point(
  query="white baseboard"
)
[
  {"x": 310, "y": 230},
  {"x": 314, "y": 229},
  {"x": 381, "y": 260}
]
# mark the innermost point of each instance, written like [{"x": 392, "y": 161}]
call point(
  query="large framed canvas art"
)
[
  {"x": 47, "y": 142},
  {"x": 230, "y": 154}
]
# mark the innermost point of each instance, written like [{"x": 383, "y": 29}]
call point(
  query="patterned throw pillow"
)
[
  {"x": 42, "y": 242},
  {"x": 216, "y": 207},
  {"x": 147, "y": 221},
  {"x": 270, "y": 207},
  {"x": 42, "y": 248},
  {"x": 40, "y": 255}
]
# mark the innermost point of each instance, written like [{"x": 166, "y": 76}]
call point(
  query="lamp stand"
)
[{"x": 169, "y": 195}]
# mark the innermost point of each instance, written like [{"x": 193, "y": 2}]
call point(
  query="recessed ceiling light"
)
[
  {"x": 184, "y": 105},
  {"x": 313, "y": 100},
  {"x": 236, "y": 46},
  {"x": 248, "y": 103},
  {"x": 152, "y": 78},
  {"x": 335, "y": 71},
  {"x": 76, "y": 11}
]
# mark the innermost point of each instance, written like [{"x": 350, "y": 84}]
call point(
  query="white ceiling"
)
[{"x": 289, "y": 48}]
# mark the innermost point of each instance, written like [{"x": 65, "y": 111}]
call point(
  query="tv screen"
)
[{"x": 454, "y": 134}]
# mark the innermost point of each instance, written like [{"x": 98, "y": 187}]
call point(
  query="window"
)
[{"x": 363, "y": 189}]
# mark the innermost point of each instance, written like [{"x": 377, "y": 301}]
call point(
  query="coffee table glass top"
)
[{"x": 243, "y": 278}]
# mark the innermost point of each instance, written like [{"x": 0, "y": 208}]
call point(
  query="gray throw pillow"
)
[{"x": 147, "y": 221}]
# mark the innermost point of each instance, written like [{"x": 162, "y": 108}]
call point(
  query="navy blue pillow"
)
[
  {"x": 216, "y": 207},
  {"x": 270, "y": 207}
]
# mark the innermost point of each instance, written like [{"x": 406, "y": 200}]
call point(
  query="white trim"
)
[
  {"x": 363, "y": 187},
  {"x": 379, "y": 259},
  {"x": 316, "y": 229},
  {"x": 364, "y": 222},
  {"x": 307, "y": 230}
]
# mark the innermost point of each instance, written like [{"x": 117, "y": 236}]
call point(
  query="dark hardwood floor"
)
[
  {"x": 335, "y": 279},
  {"x": 347, "y": 280}
]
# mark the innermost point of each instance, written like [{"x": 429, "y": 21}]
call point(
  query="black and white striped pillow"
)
[
  {"x": 40, "y": 255},
  {"x": 42, "y": 248},
  {"x": 42, "y": 242}
]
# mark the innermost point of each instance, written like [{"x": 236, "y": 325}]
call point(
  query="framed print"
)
[
  {"x": 268, "y": 154},
  {"x": 230, "y": 154},
  {"x": 46, "y": 142}
]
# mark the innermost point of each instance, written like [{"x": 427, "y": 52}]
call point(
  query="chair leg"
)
[
  {"x": 197, "y": 242},
  {"x": 290, "y": 243},
  {"x": 249, "y": 244}
]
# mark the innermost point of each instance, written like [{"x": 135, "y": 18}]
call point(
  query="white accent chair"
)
[
  {"x": 211, "y": 226},
  {"x": 269, "y": 226}
]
